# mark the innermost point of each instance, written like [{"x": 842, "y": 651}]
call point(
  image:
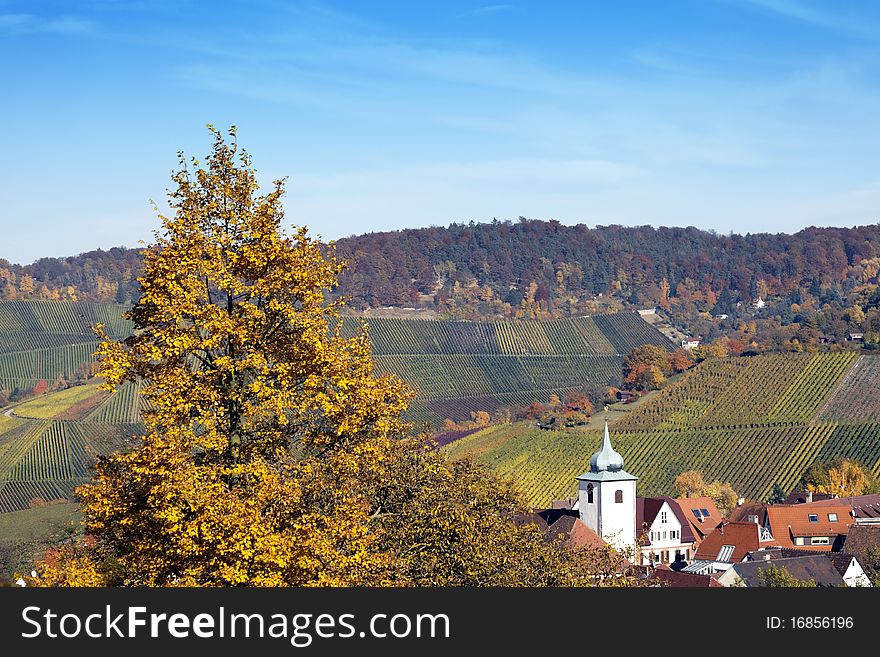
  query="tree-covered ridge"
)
[{"x": 533, "y": 268}]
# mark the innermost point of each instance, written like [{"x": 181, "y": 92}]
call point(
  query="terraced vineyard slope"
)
[
  {"x": 42, "y": 340},
  {"x": 454, "y": 367},
  {"x": 459, "y": 367},
  {"x": 750, "y": 421}
]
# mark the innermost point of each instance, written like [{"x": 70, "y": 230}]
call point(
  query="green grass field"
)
[
  {"x": 47, "y": 406},
  {"x": 26, "y": 535}
]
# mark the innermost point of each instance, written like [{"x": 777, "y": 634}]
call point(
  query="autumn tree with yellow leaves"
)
[{"x": 274, "y": 454}]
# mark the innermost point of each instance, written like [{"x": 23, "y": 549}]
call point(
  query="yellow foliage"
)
[{"x": 273, "y": 454}]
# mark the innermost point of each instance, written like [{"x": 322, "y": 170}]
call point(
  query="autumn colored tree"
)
[
  {"x": 844, "y": 479},
  {"x": 273, "y": 455},
  {"x": 724, "y": 496},
  {"x": 841, "y": 477},
  {"x": 41, "y": 388},
  {"x": 643, "y": 367},
  {"x": 678, "y": 361},
  {"x": 781, "y": 577},
  {"x": 692, "y": 484}
]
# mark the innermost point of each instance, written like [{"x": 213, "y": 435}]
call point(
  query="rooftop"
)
[{"x": 816, "y": 567}]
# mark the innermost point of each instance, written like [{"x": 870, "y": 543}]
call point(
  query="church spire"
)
[{"x": 606, "y": 459}]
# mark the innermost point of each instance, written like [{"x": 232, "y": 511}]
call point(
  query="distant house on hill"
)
[
  {"x": 816, "y": 567},
  {"x": 625, "y": 395},
  {"x": 665, "y": 535},
  {"x": 759, "y": 303},
  {"x": 647, "y": 311},
  {"x": 856, "y": 337},
  {"x": 690, "y": 343}
]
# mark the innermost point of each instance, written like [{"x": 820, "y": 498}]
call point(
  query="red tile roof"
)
[
  {"x": 677, "y": 579},
  {"x": 699, "y": 529},
  {"x": 864, "y": 506},
  {"x": 564, "y": 523},
  {"x": 788, "y": 522},
  {"x": 743, "y": 536}
]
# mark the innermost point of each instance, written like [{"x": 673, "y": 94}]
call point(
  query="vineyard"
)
[
  {"x": 455, "y": 367},
  {"x": 751, "y": 421},
  {"x": 48, "y": 459},
  {"x": 545, "y": 463},
  {"x": 770, "y": 389},
  {"x": 856, "y": 398},
  {"x": 44, "y": 340}
]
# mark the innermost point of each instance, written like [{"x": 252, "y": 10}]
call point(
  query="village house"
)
[
  {"x": 860, "y": 541},
  {"x": 562, "y": 524},
  {"x": 702, "y": 516},
  {"x": 729, "y": 544},
  {"x": 816, "y": 567},
  {"x": 819, "y": 526},
  {"x": 864, "y": 509},
  {"x": 665, "y": 535},
  {"x": 690, "y": 343},
  {"x": 667, "y": 577}
]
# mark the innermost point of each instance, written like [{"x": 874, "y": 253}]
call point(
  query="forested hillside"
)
[{"x": 817, "y": 284}]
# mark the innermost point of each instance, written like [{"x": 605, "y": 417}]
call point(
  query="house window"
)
[
  {"x": 663, "y": 516},
  {"x": 813, "y": 517},
  {"x": 725, "y": 553},
  {"x": 819, "y": 540},
  {"x": 753, "y": 519},
  {"x": 652, "y": 537},
  {"x": 673, "y": 534},
  {"x": 589, "y": 493},
  {"x": 664, "y": 536},
  {"x": 618, "y": 496},
  {"x": 832, "y": 517},
  {"x": 799, "y": 540}
]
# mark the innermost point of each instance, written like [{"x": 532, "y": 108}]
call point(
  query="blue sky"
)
[{"x": 732, "y": 115}]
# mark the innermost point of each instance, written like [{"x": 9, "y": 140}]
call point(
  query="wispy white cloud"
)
[{"x": 834, "y": 18}]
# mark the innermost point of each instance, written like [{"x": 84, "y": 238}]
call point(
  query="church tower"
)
[{"x": 607, "y": 497}]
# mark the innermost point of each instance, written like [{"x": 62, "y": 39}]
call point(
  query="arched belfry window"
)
[
  {"x": 618, "y": 496},
  {"x": 589, "y": 493}
]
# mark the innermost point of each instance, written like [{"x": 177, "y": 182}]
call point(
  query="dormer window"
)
[
  {"x": 725, "y": 552},
  {"x": 813, "y": 517}
]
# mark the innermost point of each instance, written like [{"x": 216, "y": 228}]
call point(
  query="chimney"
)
[{"x": 809, "y": 496}]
